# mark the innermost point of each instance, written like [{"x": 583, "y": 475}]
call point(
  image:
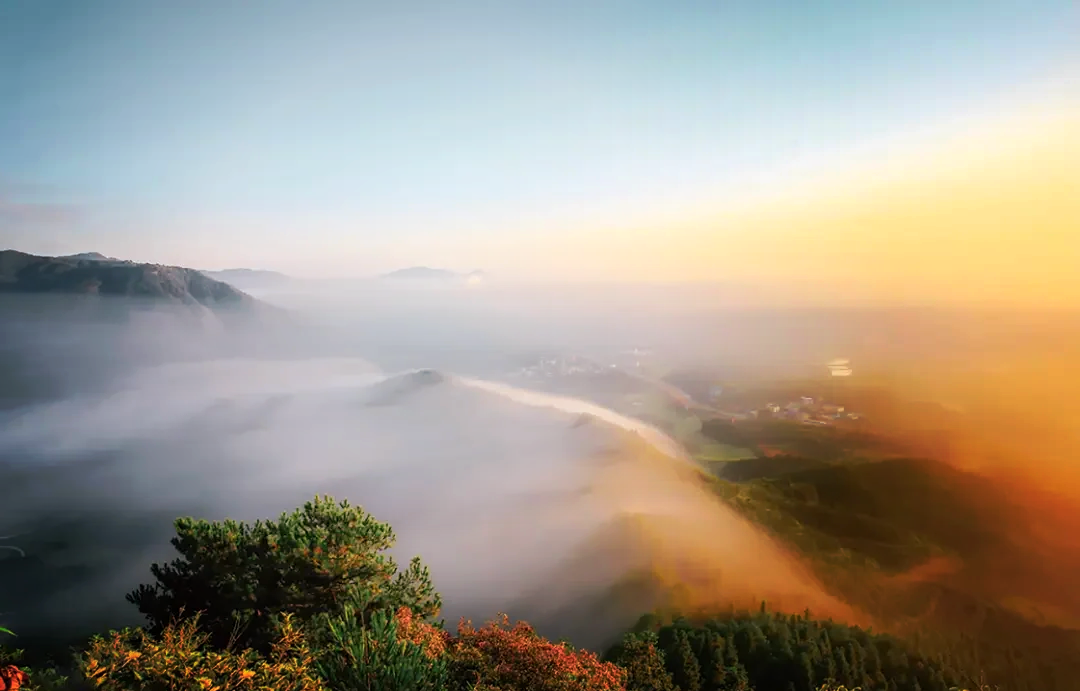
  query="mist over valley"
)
[
  {"x": 604, "y": 346},
  {"x": 548, "y": 489}
]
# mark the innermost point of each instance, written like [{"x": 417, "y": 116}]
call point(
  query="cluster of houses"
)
[
  {"x": 552, "y": 367},
  {"x": 634, "y": 361},
  {"x": 808, "y": 410}
]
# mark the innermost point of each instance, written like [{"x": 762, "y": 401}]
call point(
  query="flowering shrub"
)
[
  {"x": 415, "y": 630},
  {"x": 132, "y": 660},
  {"x": 515, "y": 658}
]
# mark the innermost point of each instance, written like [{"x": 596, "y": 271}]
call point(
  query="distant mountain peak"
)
[
  {"x": 250, "y": 280},
  {"x": 89, "y": 257},
  {"x": 245, "y": 272},
  {"x": 432, "y": 275},
  {"x": 420, "y": 272}
]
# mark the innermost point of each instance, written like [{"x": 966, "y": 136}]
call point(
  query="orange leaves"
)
[
  {"x": 132, "y": 660},
  {"x": 11, "y": 678},
  {"x": 502, "y": 655},
  {"x": 434, "y": 641}
]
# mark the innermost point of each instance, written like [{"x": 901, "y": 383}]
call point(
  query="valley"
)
[{"x": 688, "y": 498}]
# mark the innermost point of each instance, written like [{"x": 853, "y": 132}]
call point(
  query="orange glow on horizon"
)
[{"x": 990, "y": 216}]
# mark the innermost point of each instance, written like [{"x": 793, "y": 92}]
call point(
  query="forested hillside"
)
[
  {"x": 949, "y": 559},
  {"x": 312, "y": 601}
]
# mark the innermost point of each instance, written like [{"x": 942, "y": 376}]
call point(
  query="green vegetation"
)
[
  {"x": 902, "y": 539},
  {"x": 892, "y": 514},
  {"x": 782, "y": 437},
  {"x": 774, "y": 651},
  {"x": 722, "y": 453},
  {"x": 310, "y": 602},
  {"x": 243, "y": 578},
  {"x": 865, "y": 529},
  {"x": 658, "y": 409}
]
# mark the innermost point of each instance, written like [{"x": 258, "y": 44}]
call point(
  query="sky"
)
[{"x": 567, "y": 140}]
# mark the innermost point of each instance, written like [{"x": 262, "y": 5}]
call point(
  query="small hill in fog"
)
[
  {"x": 250, "y": 279},
  {"x": 428, "y": 275}
]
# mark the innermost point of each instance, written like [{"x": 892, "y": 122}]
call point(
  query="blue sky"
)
[{"x": 346, "y": 137}]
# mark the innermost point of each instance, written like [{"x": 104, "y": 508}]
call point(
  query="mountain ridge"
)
[
  {"x": 87, "y": 274},
  {"x": 90, "y": 256}
]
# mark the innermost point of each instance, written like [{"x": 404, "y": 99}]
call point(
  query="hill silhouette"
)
[{"x": 97, "y": 275}]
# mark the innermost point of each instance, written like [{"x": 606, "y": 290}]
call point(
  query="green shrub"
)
[
  {"x": 243, "y": 578},
  {"x": 374, "y": 651}
]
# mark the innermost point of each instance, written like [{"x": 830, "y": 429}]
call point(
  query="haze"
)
[{"x": 742, "y": 190}]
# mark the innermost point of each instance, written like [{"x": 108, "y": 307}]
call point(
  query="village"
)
[
  {"x": 806, "y": 409},
  {"x": 705, "y": 399}
]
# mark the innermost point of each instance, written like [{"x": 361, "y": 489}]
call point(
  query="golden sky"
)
[{"x": 990, "y": 214}]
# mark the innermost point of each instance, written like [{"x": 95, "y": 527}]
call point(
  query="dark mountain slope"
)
[{"x": 27, "y": 273}]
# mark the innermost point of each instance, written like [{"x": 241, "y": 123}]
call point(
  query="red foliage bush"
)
[
  {"x": 512, "y": 658},
  {"x": 11, "y": 678},
  {"x": 411, "y": 628}
]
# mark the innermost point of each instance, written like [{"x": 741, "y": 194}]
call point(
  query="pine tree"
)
[
  {"x": 643, "y": 662},
  {"x": 359, "y": 654},
  {"x": 873, "y": 661},
  {"x": 685, "y": 670},
  {"x": 737, "y": 680},
  {"x": 771, "y": 652},
  {"x": 843, "y": 668},
  {"x": 731, "y": 653},
  {"x": 858, "y": 666},
  {"x": 806, "y": 673},
  {"x": 714, "y": 671},
  {"x": 242, "y": 578}
]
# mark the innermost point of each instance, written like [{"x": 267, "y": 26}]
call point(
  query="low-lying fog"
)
[{"x": 116, "y": 421}]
